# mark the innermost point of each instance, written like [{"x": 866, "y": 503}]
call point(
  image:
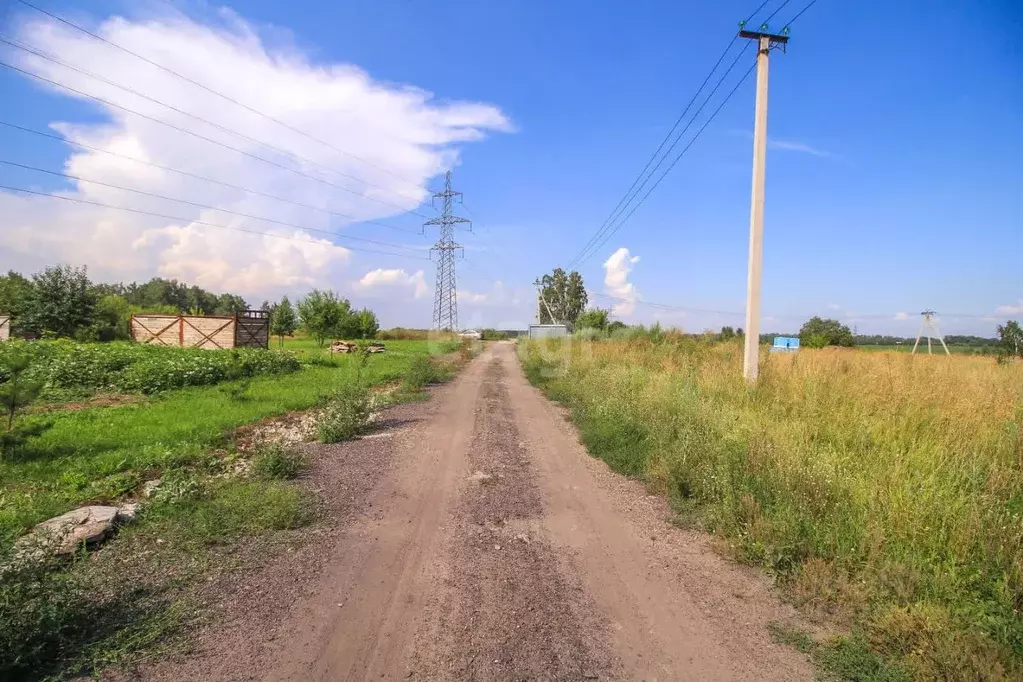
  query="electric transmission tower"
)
[{"x": 445, "y": 300}]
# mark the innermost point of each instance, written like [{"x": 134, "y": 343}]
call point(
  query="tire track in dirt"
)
[{"x": 508, "y": 610}]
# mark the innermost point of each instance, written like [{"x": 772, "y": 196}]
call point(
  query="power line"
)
[
  {"x": 202, "y": 222},
  {"x": 31, "y": 49},
  {"x": 847, "y": 316},
  {"x": 775, "y": 12},
  {"x": 196, "y": 176},
  {"x": 624, "y": 201},
  {"x": 78, "y": 178},
  {"x": 665, "y": 306},
  {"x": 673, "y": 163},
  {"x": 196, "y": 83},
  {"x": 196, "y": 135},
  {"x": 800, "y": 13}
]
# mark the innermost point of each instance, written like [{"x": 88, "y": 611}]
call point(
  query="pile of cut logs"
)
[{"x": 348, "y": 347}]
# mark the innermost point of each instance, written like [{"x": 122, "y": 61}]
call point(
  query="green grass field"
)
[
  {"x": 884, "y": 491},
  {"x": 99, "y": 454}
]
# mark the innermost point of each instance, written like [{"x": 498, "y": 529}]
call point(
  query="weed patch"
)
[
  {"x": 346, "y": 414},
  {"x": 274, "y": 461}
]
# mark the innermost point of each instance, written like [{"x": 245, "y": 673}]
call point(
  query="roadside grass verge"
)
[
  {"x": 135, "y": 598},
  {"x": 129, "y": 600},
  {"x": 101, "y": 454},
  {"x": 884, "y": 491}
]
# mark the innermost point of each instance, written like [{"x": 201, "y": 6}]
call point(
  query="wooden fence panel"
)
[
  {"x": 207, "y": 332},
  {"x": 185, "y": 331},
  {"x": 161, "y": 330}
]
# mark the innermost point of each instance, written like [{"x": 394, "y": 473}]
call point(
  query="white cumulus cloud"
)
[
  {"x": 617, "y": 284},
  {"x": 394, "y": 139},
  {"x": 901, "y": 316},
  {"x": 395, "y": 278}
]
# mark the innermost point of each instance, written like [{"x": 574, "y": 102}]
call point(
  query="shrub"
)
[
  {"x": 346, "y": 415},
  {"x": 136, "y": 367},
  {"x": 276, "y": 462},
  {"x": 589, "y": 334},
  {"x": 421, "y": 372}
]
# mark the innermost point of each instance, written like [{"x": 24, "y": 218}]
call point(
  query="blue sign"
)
[{"x": 788, "y": 344}]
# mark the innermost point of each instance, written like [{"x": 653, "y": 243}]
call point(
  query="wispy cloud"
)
[
  {"x": 1010, "y": 309},
  {"x": 784, "y": 145},
  {"x": 794, "y": 146},
  {"x": 901, "y": 316}
]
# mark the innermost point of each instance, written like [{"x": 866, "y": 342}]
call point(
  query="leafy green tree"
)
[
  {"x": 368, "y": 324},
  {"x": 61, "y": 301},
  {"x": 564, "y": 295},
  {"x": 229, "y": 304},
  {"x": 594, "y": 318},
  {"x": 112, "y": 318},
  {"x": 14, "y": 294},
  {"x": 283, "y": 320},
  {"x": 1010, "y": 337},
  {"x": 818, "y": 332},
  {"x": 727, "y": 333},
  {"x": 323, "y": 315}
]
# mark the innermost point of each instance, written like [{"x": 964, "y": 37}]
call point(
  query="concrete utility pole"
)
[
  {"x": 931, "y": 325},
  {"x": 751, "y": 355}
]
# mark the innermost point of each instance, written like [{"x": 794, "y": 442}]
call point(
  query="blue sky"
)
[{"x": 893, "y": 182}]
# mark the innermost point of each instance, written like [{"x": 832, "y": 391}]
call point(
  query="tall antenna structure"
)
[
  {"x": 445, "y": 300},
  {"x": 931, "y": 325}
]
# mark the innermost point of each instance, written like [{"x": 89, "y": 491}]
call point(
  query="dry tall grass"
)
[{"x": 884, "y": 489}]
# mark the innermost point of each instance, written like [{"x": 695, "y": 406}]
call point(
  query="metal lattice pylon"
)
[{"x": 445, "y": 301}]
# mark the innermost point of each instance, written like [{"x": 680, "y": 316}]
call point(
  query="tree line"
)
[
  {"x": 563, "y": 300},
  {"x": 62, "y": 302}
]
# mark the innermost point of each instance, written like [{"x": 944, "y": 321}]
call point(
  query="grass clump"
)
[
  {"x": 230, "y": 512},
  {"x": 884, "y": 490},
  {"x": 275, "y": 461},
  {"x": 63, "y": 617},
  {"x": 422, "y": 371},
  {"x": 346, "y": 414}
]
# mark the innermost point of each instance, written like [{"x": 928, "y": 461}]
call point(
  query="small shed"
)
[
  {"x": 5, "y": 327},
  {"x": 547, "y": 331}
]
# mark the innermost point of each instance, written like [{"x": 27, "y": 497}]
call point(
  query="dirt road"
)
[{"x": 476, "y": 540}]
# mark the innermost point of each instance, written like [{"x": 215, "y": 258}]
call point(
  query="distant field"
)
[
  {"x": 884, "y": 491},
  {"x": 935, "y": 348}
]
